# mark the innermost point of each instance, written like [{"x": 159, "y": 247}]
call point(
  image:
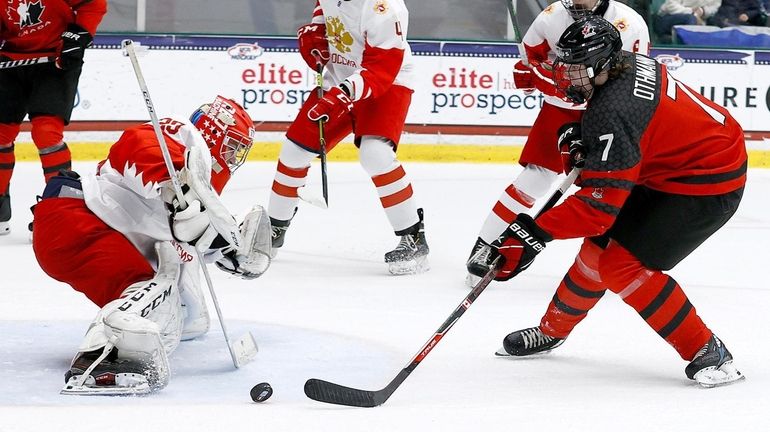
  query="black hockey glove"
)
[
  {"x": 570, "y": 141},
  {"x": 75, "y": 40},
  {"x": 519, "y": 245}
]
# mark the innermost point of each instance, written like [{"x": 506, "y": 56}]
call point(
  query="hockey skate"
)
[
  {"x": 278, "y": 235},
  {"x": 125, "y": 350},
  {"x": 479, "y": 262},
  {"x": 527, "y": 342},
  {"x": 713, "y": 365},
  {"x": 5, "y": 214},
  {"x": 411, "y": 254}
]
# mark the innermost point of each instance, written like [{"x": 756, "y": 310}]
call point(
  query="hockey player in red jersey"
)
[
  {"x": 540, "y": 156},
  {"x": 663, "y": 169},
  {"x": 46, "y": 92},
  {"x": 368, "y": 87},
  {"x": 120, "y": 237}
]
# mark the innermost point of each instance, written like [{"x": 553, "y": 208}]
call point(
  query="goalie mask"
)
[
  {"x": 587, "y": 47},
  {"x": 582, "y": 8},
  {"x": 227, "y": 129}
]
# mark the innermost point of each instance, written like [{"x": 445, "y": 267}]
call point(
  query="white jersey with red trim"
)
[
  {"x": 367, "y": 45},
  {"x": 544, "y": 33},
  {"x": 125, "y": 192}
]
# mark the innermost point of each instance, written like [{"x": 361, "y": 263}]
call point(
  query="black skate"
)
[
  {"x": 527, "y": 342},
  {"x": 411, "y": 254},
  {"x": 713, "y": 365},
  {"x": 5, "y": 214},
  {"x": 278, "y": 234},
  {"x": 111, "y": 376},
  {"x": 479, "y": 262}
]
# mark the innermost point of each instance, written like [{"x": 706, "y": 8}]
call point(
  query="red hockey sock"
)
[
  {"x": 658, "y": 299},
  {"x": 48, "y": 135},
  {"x": 578, "y": 292},
  {"x": 8, "y": 133}
]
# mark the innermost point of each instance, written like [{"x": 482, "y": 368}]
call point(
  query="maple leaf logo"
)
[
  {"x": 30, "y": 13},
  {"x": 337, "y": 35}
]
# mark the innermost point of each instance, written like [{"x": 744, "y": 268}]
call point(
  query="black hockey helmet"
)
[
  {"x": 582, "y": 9},
  {"x": 587, "y": 47}
]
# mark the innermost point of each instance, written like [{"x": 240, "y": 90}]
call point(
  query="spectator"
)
[
  {"x": 680, "y": 12},
  {"x": 742, "y": 12}
]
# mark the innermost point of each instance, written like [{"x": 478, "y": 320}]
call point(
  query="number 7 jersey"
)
[{"x": 644, "y": 127}]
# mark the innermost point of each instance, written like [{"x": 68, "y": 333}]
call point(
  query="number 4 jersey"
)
[{"x": 643, "y": 127}]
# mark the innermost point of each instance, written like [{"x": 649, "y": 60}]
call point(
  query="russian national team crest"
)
[{"x": 337, "y": 35}]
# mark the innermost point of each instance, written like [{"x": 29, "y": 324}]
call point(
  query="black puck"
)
[{"x": 261, "y": 392}]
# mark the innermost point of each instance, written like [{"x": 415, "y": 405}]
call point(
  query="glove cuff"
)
[{"x": 534, "y": 229}]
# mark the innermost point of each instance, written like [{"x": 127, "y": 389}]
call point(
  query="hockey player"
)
[
  {"x": 540, "y": 156},
  {"x": 368, "y": 88},
  {"x": 663, "y": 169},
  {"x": 110, "y": 236},
  {"x": 46, "y": 92}
]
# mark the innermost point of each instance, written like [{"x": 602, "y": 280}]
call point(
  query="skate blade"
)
[
  {"x": 502, "y": 353},
  {"x": 725, "y": 375},
  {"x": 139, "y": 386},
  {"x": 409, "y": 267}
]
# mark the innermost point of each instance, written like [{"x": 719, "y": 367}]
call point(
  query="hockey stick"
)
[
  {"x": 302, "y": 192},
  {"x": 516, "y": 32},
  {"x": 26, "y": 62},
  {"x": 325, "y": 391},
  {"x": 244, "y": 349}
]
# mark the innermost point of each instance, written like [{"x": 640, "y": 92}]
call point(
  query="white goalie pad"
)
[{"x": 253, "y": 259}]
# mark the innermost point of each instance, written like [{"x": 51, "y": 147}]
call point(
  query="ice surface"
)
[{"x": 328, "y": 309}]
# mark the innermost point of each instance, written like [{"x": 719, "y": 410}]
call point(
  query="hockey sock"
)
[
  {"x": 393, "y": 186},
  {"x": 290, "y": 175},
  {"x": 579, "y": 291},
  {"x": 658, "y": 299},
  {"x": 48, "y": 135},
  {"x": 8, "y": 133}
]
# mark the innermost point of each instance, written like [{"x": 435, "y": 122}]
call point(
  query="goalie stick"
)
[
  {"x": 325, "y": 391},
  {"x": 244, "y": 349}
]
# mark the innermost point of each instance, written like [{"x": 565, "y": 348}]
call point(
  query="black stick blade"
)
[{"x": 324, "y": 391}]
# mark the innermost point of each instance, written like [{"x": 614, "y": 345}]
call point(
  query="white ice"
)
[{"x": 328, "y": 309}]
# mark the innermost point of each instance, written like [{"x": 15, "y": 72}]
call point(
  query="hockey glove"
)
[
  {"x": 519, "y": 245},
  {"x": 253, "y": 259},
  {"x": 335, "y": 104},
  {"x": 75, "y": 40},
  {"x": 522, "y": 77},
  {"x": 570, "y": 141},
  {"x": 313, "y": 44}
]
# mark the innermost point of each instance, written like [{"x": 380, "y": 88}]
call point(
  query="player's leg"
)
[
  {"x": 653, "y": 233},
  {"x": 299, "y": 148},
  {"x": 579, "y": 291},
  {"x": 12, "y": 112},
  {"x": 542, "y": 163},
  {"x": 378, "y": 124}
]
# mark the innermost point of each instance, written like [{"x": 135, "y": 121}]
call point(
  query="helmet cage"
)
[{"x": 578, "y": 11}]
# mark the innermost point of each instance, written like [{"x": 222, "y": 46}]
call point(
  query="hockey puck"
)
[{"x": 261, "y": 392}]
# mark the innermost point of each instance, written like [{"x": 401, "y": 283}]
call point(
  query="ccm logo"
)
[{"x": 526, "y": 237}]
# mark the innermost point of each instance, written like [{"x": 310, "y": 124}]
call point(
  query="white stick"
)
[{"x": 245, "y": 346}]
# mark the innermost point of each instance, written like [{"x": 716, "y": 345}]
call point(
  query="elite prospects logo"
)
[{"x": 244, "y": 51}]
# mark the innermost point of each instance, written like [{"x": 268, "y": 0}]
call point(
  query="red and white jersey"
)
[
  {"x": 33, "y": 28},
  {"x": 367, "y": 45},
  {"x": 125, "y": 190},
  {"x": 542, "y": 36}
]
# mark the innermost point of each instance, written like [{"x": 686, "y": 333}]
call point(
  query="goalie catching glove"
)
[
  {"x": 253, "y": 259},
  {"x": 202, "y": 220},
  {"x": 519, "y": 245}
]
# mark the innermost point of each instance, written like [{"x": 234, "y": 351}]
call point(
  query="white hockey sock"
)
[{"x": 291, "y": 174}]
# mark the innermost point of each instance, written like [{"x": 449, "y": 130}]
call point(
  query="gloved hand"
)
[
  {"x": 335, "y": 103},
  {"x": 192, "y": 225},
  {"x": 75, "y": 40},
  {"x": 313, "y": 44},
  {"x": 519, "y": 245},
  {"x": 570, "y": 141},
  {"x": 522, "y": 77}
]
